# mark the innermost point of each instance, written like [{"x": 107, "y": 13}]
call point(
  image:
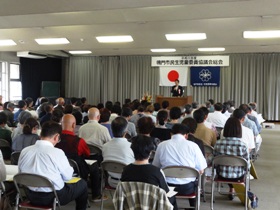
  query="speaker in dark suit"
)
[{"x": 177, "y": 90}]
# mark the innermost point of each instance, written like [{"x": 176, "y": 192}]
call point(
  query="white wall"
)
[{"x": 10, "y": 57}]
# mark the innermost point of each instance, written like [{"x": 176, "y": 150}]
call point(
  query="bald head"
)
[
  {"x": 93, "y": 114},
  {"x": 60, "y": 101},
  {"x": 68, "y": 122}
]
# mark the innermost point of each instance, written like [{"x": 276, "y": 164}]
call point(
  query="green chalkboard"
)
[{"x": 50, "y": 89}]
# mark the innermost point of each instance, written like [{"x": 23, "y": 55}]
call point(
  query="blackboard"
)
[{"x": 50, "y": 89}]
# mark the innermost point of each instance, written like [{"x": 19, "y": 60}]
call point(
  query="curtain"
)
[
  {"x": 83, "y": 78},
  {"x": 249, "y": 78}
]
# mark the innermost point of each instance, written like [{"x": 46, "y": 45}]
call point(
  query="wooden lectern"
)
[{"x": 175, "y": 101}]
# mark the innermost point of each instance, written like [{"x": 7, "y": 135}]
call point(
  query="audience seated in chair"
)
[
  {"x": 118, "y": 149},
  {"x": 179, "y": 152},
  {"x": 141, "y": 171},
  {"x": 207, "y": 135},
  {"x": 75, "y": 148},
  {"x": 104, "y": 119},
  {"x": 232, "y": 144},
  {"x": 175, "y": 115},
  {"x": 217, "y": 118},
  {"x": 28, "y": 137},
  {"x": 161, "y": 131},
  {"x": 4, "y": 132},
  {"x": 131, "y": 129},
  {"x": 192, "y": 124},
  {"x": 92, "y": 132},
  {"x": 54, "y": 165}
]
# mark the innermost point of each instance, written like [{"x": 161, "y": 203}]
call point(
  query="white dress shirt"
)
[
  {"x": 179, "y": 152},
  {"x": 44, "y": 159},
  {"x": 94, "y": 133},
  {"x": 217, "y": 118}
]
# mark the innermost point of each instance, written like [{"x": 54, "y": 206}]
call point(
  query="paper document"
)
[
  {"x": 90, "y": 162},
  {"x": 73, "y": 180},
  {"x": 171, "y": 192}
]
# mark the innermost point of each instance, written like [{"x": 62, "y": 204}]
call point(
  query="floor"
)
[{"x": 266, "y": 187}]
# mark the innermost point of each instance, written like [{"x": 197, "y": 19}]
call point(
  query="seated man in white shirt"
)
[
  {"x": 179, "y": 152},
  {"x": 46, "y": 160},
  {"x": 118, "y": 149},
  {"x": 217, "y": 118}
]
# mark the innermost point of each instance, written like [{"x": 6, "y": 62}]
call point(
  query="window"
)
[{"x": 15, "y": 92}]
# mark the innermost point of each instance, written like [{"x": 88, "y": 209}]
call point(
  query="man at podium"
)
[{"x": 177, "y": 90}]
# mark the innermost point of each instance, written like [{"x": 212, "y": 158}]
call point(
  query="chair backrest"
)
[
  {"x": 75, "y": 166},
  {"x": 229, "y": 160},
  {"x": 181, "y": 172},
  {"x": 14, "y": 158},
  {"x": 209, "y": 155},
  {"x": 4, "y": 143},
  {"x": 94, "y": 149},
  {"x": 112, "y": 166},
  {"x": 6, "y": 149},
  {"x": 135, "y": 194},
  {"x": 34, "y": 180}
]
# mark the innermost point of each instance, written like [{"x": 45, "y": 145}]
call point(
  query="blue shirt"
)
[
  {"x": 179, "y": 152},
  {"x": 250, "y": 124}
]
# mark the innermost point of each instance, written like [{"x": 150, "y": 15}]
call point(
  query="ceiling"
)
[{"x": 146, "y": 21}]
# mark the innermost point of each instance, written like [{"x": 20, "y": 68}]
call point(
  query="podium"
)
[{"x": 175, "y": 101}]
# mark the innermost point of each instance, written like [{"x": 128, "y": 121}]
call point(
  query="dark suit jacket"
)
[{"x": 178, "y": 92}]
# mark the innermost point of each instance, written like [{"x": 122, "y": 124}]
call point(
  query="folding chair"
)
[
  {"x": 75, "y": 166},
  {"x": 109, "y": 166},
  {"x": 33, "y": 180},
  {"x": 232, "y": 161},
  {"x": 77, "y": 172},
  {"x": 130, "y": 195},
  {"x": 206, "y": 177},
  {"x": 185, "y": 172},
  {"x": 14, "y": 158},
  {"x": 95, "y": 153},
  {"x": 219, "y": 130},
  {"x": 6, "y": 149}
]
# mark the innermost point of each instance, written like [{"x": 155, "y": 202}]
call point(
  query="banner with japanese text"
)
[{"x": 211, "y": 60}]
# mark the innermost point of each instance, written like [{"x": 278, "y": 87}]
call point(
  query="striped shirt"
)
[{"x": 231, "y": 146}]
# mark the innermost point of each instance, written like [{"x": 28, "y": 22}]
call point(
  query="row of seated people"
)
[
  {"x": 89, "y": 131},
  {"x": 174, "y": 151}
]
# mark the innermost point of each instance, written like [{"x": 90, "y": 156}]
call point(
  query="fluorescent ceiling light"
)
[
  {"x": 50, "y": 41},
  {"x": 261, "y": 34},
  {"x": 112, "y": 39},
  {"x": 79, "y": 52},
  {"x": 184, "y": 37},
  {"x": 163, "y": 50},
  {"x": 211, "y": 49},
  {"x": 7, "y": 42}
]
